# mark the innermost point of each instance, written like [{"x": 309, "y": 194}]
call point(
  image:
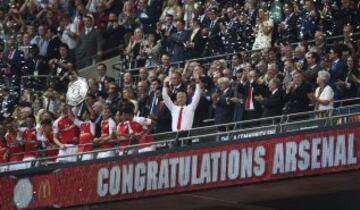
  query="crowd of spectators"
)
[{"x": 281, "y": 62}]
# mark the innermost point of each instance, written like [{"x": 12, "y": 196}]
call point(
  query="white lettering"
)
[
  {"x": 102, "y": 188},
  {"x": 173, "y": 164},
  {"x": 114, "y": 183},
  {"x": 127, "y": 179},
  {"x": 139, "y": 182},
  {"x": 194, "y": 166},
  {"x": 278, "y": 163},
  {"x": 304, "y": 156},
  {"x": 184, "y": 171},
  {"x": 223, "y": 166},
  {"x": 151, "y": 181},
  {"x": 290, "y": 158},
  {"x": 351, "y": 149},
  {"x": 259, "y": 158},
  {"x": 215, "y": 157},
  {"x": 233, "y": 165},
  {"x": 327, "y": 159},
  {"x": 246, "y": 162},
  {"x": 205, "y": 170},
  {"x": 340, "y": 151},
  {"x": 315, "y": 153},
  {"x": 164, "y": 174}
]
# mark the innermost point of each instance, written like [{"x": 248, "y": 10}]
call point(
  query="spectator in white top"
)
[
  {"x": 324, "y": 94},
  {"x": 182, "y": 114},
  {"x": 41, "y": 40}
]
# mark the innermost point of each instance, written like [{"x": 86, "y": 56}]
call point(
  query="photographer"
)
[{"x": 60, "y": 66}]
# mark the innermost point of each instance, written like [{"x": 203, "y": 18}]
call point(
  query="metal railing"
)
[{"x": 229, "y": 131}]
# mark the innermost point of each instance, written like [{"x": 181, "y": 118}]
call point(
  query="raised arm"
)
[
  {"x": 196, "y": 98},
  {"x": 167, "y": 100}
]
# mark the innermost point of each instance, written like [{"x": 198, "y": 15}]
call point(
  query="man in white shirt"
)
[{"x": 182, "y": 114}]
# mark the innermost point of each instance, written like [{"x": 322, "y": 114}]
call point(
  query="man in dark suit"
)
[
  {"x": 15, "y": 58},
  {"x": 299, "y": 94},
  {"x": 250, "y": 90},
  {"x": 288, "y": 28},
  {"x": 176, "y": 85},
  {"x": 338, "y": 70},
  {"x": 89, "y": 44},
  {"x": 35, "y": 63},
  {"x": 143, "y": 98},
  {"x": 177, "y": 41},
  {"x": 195, "y": 43},
  {"x": 113, "y": 31},
  {"x": 311, "y": 72},
  {"x": 308, "y": 21},
  {"x": 54, "y": 44},
  {"x": 224, "y": 109},
  {"x": 159, "y": 112},
  {"x": 201, "y": 16},
  {"x": 102, "y": 70},
  {"x": 214, "y": 43},
  {"x": 274, "y": 103},
  {"x": 203, "y": 108}
]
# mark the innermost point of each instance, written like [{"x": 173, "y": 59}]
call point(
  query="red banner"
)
[{"x": 204, "y": 168}]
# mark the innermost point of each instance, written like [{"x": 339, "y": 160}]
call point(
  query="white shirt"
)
[
  {"x": 65, "y": 38},
  {"x": 188, "y": 111},
  {"x": 326, "y": 94}
]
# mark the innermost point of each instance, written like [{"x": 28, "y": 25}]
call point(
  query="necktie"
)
[
  {"x": 178, "y": 127},
  {"x": 249, "y": 98},
  {"x": 153, "y": 105}
]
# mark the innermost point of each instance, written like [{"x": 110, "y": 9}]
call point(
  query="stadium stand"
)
[{"x": 253, "y": 60}]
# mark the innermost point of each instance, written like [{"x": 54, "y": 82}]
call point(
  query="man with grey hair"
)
[{"x": 224, "y": 108}]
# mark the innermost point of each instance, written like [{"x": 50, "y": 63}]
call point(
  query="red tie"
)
[
  {"x": 178, "y": 127},
  {"x": 248, "y": 98}
]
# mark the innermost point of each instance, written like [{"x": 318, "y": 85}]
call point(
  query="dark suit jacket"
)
[
  {"x": 290, "y": 32},
  {"x": 144, "y": 105},
  {"x": 311, "y": 74},
  {"x": 173, "y": 91},
  {"x": 53, "y": 48},
  {"x": 39, "y": 63},
  {"x": 297, "y": 99},
  {"x": 202, "y": 112},
  {"x": 337, "y": 72},
  {"x": 176, "y": 45},
  {"x": 224, "y": 112},
  {"x": 199, "y": 44},
  {"x": 88, "y": 46},
  {"x": 16, "y": 63},
  {"x": 214, "y": 42},
  {"x": 257, "y": 90},
  {"x": 274, "y": 103},
  {"x": 163, "y": 118}
]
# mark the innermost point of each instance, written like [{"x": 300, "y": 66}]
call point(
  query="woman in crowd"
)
[
  {"x": 264, "y": 30},
  {"x": 134, "y": 46},
  {"x": 127, "y": 19},
  {"x": 324, "y": 94}
]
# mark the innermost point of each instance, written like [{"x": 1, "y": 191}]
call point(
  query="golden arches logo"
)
[{"x": 44, "y": 189}]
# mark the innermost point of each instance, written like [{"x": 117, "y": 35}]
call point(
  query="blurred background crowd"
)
[{"x": 255, "y": 58}]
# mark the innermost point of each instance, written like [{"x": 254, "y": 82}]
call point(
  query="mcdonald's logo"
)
[{"x": 44, "y": 189}]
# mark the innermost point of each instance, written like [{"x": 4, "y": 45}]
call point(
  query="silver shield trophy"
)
[{"x": 77, "y": 91}]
